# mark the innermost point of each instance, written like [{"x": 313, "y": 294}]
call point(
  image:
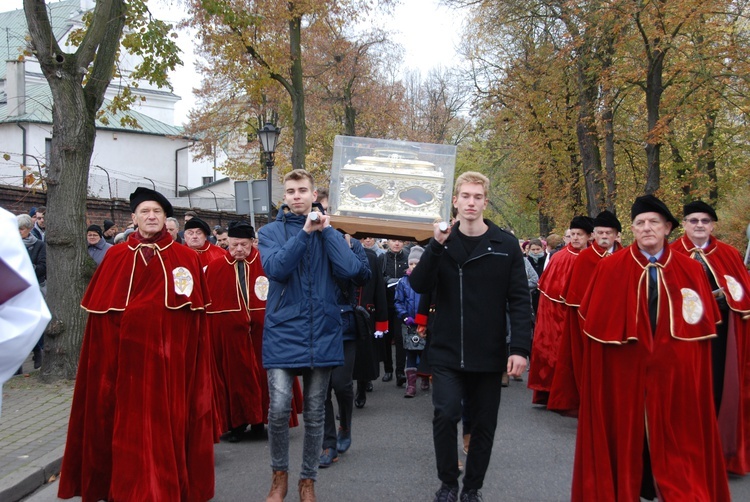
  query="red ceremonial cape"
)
[
  {"x": 140, "y": 423},
  {"x": 236, "y": 375},
  {"x": 726, "y": 266},
  {"x": 229, "y": 299},
  {"x": 550, "y": 322},
  {"x": 638, "y": 386},
  {"x": 208, "y": 253},
  {"x": 564, "y": 396}
]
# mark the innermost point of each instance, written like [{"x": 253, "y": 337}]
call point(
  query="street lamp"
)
[{"x": 269, "y": 136}]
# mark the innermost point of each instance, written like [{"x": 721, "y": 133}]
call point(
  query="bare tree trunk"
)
[
  {"x": 588, "y": 141},
  {"x": 545, "y": 224},
  {"x": 73, "y": 136},
  {"x": 609, "y": 158},
  {"x": 710, "y": 157},
  {"x": 73, "y": 132},
  {"x": 350, "y": 112},
  {"x": 299, "y": 148},
  {"x": 680, "y": 170},
  {"x": 654, "y": 90}
]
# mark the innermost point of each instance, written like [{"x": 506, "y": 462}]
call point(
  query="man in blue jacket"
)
[
  {"x": 477, "y": 273},
  {"x": 302, "y": 257}
]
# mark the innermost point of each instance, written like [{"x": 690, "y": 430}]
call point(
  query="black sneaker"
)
[
  {"x": 446, "y": 493},
  {"x": 471, "y": 495}
]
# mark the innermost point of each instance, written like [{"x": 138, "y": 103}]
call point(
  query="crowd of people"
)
[{"x": 200, "y": 335}]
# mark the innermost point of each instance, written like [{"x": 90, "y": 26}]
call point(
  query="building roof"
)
[
  {"x": 13, "y": 28},
  {"x": 39, "y": 110}
]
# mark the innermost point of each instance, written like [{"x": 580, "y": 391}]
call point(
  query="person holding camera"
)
[
  {"x": 303, "y": 256},
  {"x": 407, "y": 302}
]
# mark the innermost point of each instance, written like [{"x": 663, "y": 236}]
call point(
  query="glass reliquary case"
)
[{"x": 390, "y": 188}]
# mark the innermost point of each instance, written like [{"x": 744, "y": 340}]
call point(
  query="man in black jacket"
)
[
  {"x": 393, "y": 264},
  {"x": 478, "y": 275}
]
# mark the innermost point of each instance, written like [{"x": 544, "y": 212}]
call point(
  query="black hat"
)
[
  {"x": 583, "y": 222},
  {"x": 241, "y": 230},
  {"x": 198, "y": 223},
  {"x": 142, "y": 194},
  {"x": 607, "y": 219},
  {"x": 650, "y": 204},
  {"x": 698, "y": 206},
  {"x": 95, "y": 228},
  {"x": 108, "y": 224}
]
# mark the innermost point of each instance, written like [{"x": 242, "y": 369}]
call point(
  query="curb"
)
[{"x": 30, "y": 477}]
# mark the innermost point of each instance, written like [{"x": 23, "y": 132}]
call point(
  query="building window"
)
[{"x": 208, "y": 179}]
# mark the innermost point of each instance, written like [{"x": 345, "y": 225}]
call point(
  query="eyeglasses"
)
[{"x": 702, "y": 221}]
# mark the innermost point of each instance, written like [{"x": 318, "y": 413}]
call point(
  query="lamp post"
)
[{"x": 269, "y": 136}]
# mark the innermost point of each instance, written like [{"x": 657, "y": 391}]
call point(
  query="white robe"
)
[{"x": 24, "y": 316}]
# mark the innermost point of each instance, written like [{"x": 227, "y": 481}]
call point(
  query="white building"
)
[{"x": 155, "y": 155}]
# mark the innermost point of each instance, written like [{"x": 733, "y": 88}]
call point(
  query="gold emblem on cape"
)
[
  {"x": 183, "y": 281},
  {"x": 692, "y": 306},
  {"x": 261, "y": 287},
  {"x": 735, "y": 288}
]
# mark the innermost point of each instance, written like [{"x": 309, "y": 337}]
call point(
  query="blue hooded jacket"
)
[{"x": 303, "y": 320}]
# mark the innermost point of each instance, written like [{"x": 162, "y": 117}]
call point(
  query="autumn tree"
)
[
  {"x": 261, "y": 42},
  {"x": 435, "y": 106},
  {"x": 633, "y": 76},
  {"x": 78, "y": 77},
  {"x": 527, "y": 102},
  {"x": 353, "y": 89}
]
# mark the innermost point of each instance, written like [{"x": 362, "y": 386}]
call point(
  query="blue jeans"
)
[{"x": 315, "y": 384}]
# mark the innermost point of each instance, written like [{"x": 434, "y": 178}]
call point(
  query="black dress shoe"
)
[
  {"x": 360, "y": 398},
  {"x": 387, "y": 377},
  {"x": 400, "y": 379},
  {"x": 235, "y": 435},
  {"x": 257, "y": 431},
  {"x": 368, "y": 388}
]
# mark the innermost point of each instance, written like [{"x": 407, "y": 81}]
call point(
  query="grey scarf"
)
[{"x": 29, "y": 241}]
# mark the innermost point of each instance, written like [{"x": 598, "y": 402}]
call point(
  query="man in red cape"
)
[
  {"x": 237, "y": 284},
  {"x": 551, "y": 316},
  {"x": 564, "y": 396},
  {"x": 196, "y": 238},
  {"x": 141, "y": 420},
  {"x": 730, "y": 283},
  {"x": 646, "y": 425}
]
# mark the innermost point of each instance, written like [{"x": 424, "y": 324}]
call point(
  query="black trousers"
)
[
  {"x": 482, "y": 391},
  {"x": 719, "y": 357},
  {"x": 342, "y": 385},
  {"x": 394, "y": 336}
]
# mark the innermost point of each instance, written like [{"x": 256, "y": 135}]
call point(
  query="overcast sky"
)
[{"x": 428, "y": 32}]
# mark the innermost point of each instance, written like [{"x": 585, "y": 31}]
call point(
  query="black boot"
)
[
  {"x": 235, "y": 435},
  {"x": 360, "y": 398},
  {"x": 400, "y": 379},
  {"x": 37, "y": 356}
]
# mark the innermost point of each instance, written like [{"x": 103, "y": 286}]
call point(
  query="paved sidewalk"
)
[{"x": 33, "y": 426}]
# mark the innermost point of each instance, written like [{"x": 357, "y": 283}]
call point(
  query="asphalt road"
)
[{"x": 391, "y": 458}]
